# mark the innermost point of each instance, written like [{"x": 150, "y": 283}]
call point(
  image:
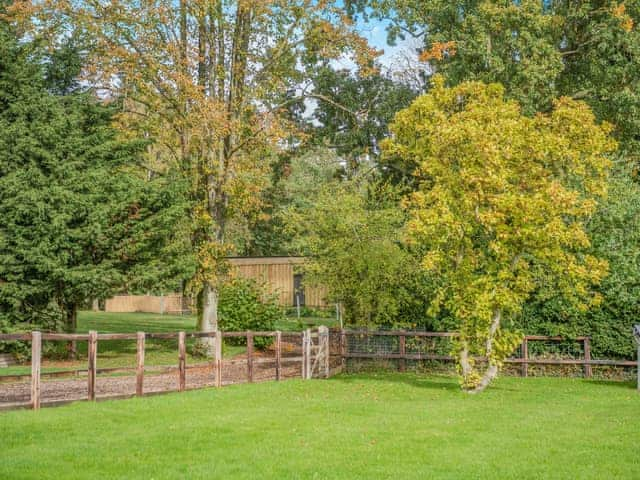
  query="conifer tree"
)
[{"x": 78, "y": 222}]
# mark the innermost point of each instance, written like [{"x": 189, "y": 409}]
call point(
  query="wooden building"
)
[
  {"x": 171, "y": 304},
  {"x": 281, "y": 275}
]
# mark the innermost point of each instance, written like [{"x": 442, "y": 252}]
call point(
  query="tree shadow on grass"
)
[
  {"x": 627, "y": 384},
  {"x": 417, "y": 380},
  {"x": 450, "y": 382}
]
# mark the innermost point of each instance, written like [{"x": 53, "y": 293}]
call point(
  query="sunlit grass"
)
[{"x": 383, "y": 426}]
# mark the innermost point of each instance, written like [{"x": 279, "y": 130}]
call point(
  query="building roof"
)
[{"x": 265, "y": 260}]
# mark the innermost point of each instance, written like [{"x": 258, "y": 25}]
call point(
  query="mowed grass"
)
[
  {"x": 152, "y": 322},
  {"x": 374, "y": 426}
]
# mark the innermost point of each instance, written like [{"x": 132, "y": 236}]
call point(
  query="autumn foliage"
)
[{"x": 500, "y": 207}]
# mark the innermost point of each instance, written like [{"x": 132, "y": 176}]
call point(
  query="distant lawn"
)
[
  {"x": 151, "y": 322},
  {"x": 134, "y": 322},
  {"x": 349, "y": 427}
]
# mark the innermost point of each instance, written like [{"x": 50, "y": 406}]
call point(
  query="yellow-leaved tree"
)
[
  {"x": 500, "y": 207},
  {"x": 209, "y": 82}
]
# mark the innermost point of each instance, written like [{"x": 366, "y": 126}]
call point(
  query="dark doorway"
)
[{"x": 298, "y": 290}]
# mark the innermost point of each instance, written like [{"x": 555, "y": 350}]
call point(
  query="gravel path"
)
[{"x": 55, "y": 391}]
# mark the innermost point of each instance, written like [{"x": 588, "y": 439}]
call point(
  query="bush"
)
[
  {"x": 615, "y": 235},
  {"x": 20, "y": 319},
  {"x": 328, "y": 312},
  {"x": 245, "y": 305}
]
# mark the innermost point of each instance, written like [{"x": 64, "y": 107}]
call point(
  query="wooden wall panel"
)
[
  {"x": 170, "y": 304},
  {"x": 277, "y": 273}
]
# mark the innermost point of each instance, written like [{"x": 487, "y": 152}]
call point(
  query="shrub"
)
[
  {"x": 245, "y": 305},
  {"x": 614, "y": 231}
]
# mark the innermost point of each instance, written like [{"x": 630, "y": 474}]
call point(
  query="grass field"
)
[
  {"x": 122, "y": 353},
  {"x": 151, "y": 322},
  {"x": 384, "y": 426}
]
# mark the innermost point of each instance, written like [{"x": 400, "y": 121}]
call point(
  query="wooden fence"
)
[
  {"x": 313, "y": 361},
  {"x": 320, "y": 352},
  {"x": 171, "y": 304},
  {"x": 397, "y": 350}
]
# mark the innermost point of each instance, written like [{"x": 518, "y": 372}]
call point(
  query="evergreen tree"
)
[{"x": 78, "y": 221}]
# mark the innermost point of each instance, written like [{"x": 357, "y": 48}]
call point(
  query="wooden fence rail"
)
[{"x": 93, "y": 339}]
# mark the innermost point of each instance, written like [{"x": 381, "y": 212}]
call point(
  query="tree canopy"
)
[
  {"x": 79, "y": 221},
  {"x": 209, "y": 82},
  {"x": 500, "y": 207},
  {"x": 539, "y": 51}
]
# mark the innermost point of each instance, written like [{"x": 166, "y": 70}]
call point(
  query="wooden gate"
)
[{"x": 315, "y": 353}]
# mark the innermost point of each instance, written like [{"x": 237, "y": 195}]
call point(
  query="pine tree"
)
[{"x": 78, "y": 221}]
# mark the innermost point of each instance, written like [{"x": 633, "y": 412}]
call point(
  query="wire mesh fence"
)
[{"x": 434, "y": 352}]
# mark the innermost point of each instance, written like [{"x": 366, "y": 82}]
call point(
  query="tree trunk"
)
[
  {"x": 491, "y": 371},
  {"x": 71, "y": 324},
  {"x": 202, "y": 47},
  {"x": 208, "y": 317},
  {"x": 465, "y": 364}
]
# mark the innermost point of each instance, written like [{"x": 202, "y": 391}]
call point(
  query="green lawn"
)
[
  {"x": 382, "y": 426},
  {"x": 151, "y": 322}
]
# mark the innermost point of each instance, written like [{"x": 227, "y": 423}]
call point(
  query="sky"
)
[{"x": 394, "y": 57}]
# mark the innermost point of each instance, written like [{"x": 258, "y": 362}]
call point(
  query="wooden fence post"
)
[
  {"x": 323, "y": 349},
  {"x": 403, "y": 351},
  {"x": 140, "y": 363},
  {"x": 182, "y": 362},
  {"x": 304, "y": 354},
  {"x": 524, "y": 348},
  {"x": 92, "y": 353},
  {"x": 278, "y": 354},
  {"x": 307, "y": 356},
  {"x": 217, "y": 358},
  {"x": 304, "y": 362},
  {"x": 343, "y": 349},
  {"x": 36, "y": 354},
  {"x": 327, "y": 350},
  {"x": 587, "y": 357},
  {"x": 250, "y": 356}
]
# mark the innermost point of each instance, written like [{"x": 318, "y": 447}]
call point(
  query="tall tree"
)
[
  {"x": 539, "y": 50},
  {"x": 500, "y": 208},
  {"x": 350, "y": 118},
  {"x": 351, "y": 232},
  {"x": 77, "y": 218},
  {"x": 355, "y": 116},
  {"x": 208, "y": 81}
]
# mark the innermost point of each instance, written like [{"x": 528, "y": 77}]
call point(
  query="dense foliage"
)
[
  {"x": 355, "y": 113},
  {"x": 614, "y": 231},
  {"x": 500, "y": 208},
  {"x": 539, "y": 50},
  {"x": 244, "y": 305},
  {"x": 348, "y": 121},
  {"x": 79, "y": 221},
  {"x": 352, "y": 233}
]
